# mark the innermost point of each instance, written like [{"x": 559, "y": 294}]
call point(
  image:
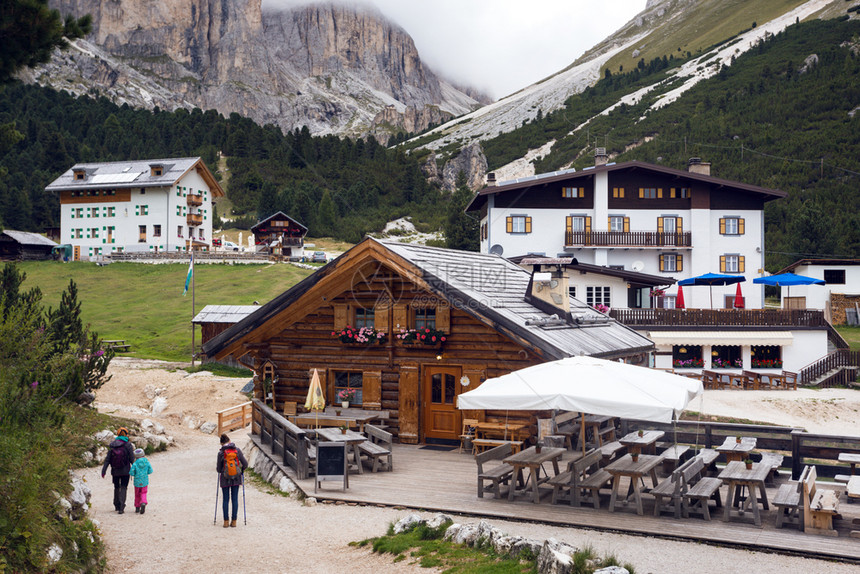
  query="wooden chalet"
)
[
  {"x": 489, "y": 315},
  {"x": 23, "y": 246},
  {"x": 281, "y": 235}
]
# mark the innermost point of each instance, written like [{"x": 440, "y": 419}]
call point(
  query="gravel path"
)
[{"x": 282, "y": 535}]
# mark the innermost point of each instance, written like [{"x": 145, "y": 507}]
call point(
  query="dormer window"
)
[
  {"x": 79, "y": 174},
  {"x": 156, "y": 170}
]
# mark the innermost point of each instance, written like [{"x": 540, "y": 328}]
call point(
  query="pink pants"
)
[{"x": 140, "y": 495}]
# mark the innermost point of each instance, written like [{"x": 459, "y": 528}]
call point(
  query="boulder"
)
[
  {"x": 104, "y": 437},
  {"x": 438, "y": 520},
  {"x": 467, "y": 534},
  {"x": 54, "y": 553},
  {"x": 555, "y": 557},
  {"x": 146, "y": 424},
  {"x": 159, "y": 404},
  {"x": 287, "y": 485},
  {"x": 208, "y": 427},
  {"x": 612, "y": 570},
  {"x": 407, "y": 523},
  {"x": 310, "y": 501},
  {"x": 157, "y": 428},
  {"x": 87, "y": 456}
]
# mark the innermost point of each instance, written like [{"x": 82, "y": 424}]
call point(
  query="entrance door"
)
[{"x": 441, "y": 417}]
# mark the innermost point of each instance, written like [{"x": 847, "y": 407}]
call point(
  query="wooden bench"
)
[
  {"x": 709, "y": 456},
  {"x": 669, "y": 493},
  {"x": 672, "y": 456},
  {"x": 571, "y": 480},
  {"x": 499, "y": 474},
  {"x": 609, "y": 450},
  {"x": 789, "y": 509},
  {"x": 481, "y": 444},
  {"x": 312, "y": 454},
  {"x": 773, "y": 461},
  {"x": 377, "y": 447},
  {"x": 819, "y": 506},
  {"x": 699, "y": 489},
  {"x": 595, "y": 478}
]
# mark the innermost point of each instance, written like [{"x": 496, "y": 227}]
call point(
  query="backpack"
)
[
  {"x": 232, "y": 467},
  {"x": 118, "y": 456}
]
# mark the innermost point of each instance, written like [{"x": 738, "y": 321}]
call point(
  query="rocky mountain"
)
[{"x": 337, "y": 69}]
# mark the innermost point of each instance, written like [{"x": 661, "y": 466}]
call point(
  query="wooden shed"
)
[
  {"x": 488, "y": 315},
  {"x": 23, "y": 245}
]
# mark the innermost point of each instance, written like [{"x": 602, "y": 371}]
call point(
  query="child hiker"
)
[{"x": 140, "y": 470}]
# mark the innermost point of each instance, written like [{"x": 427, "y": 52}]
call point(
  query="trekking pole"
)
[
  {"x": 244, "y": 509},
  {"x": 217, "y": 488}
]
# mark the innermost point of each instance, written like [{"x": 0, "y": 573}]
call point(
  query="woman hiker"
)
[
  {"x": 120, "y": 457},
  {"x": 231, "y": 467}
]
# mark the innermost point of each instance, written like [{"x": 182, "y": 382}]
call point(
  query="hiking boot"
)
[
  {"x": 233, "y": 523},
  {"x": 142, "y": 508},
  {"x": 226, "y": 523},
  {"x": 120, "y": 511},
  {"x": 136, "y": 509}
]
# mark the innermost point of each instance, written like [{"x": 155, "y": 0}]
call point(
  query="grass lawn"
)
[
  {"x": 144, "y": 305},
  {"x": 850, "y": 334}
]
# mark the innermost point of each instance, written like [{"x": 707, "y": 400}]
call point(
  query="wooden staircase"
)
[{"x": 839, "y": 368}]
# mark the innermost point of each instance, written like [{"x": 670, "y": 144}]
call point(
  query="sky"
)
[{"x": 501, "y": 46}]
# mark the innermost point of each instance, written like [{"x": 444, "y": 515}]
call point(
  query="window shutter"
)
[
  {"x": 641, "y": 193},
  {"x": 659, "y": 225},
  {"x": 672, "y": 192},
  {"x": 588, "y": 224},
  {"x": 722, "y": 226},
  {"x": 509, "y": 224},
  {"x": 401, "y": 317},
  {"x": 443, "y": 318},
  {"x": 740, "y": 263},
  {"x": 380, "y": 316},
  {"x": 722, "y": 263},
  {"x": 680, "y": 224},
  {"x": 371, "y": 390},
  {"x": 340, "y": 316},
  {"x": 740, "y": 226},
  {"x": 662, "y": 263},
  {"x": 660, "y": 192},
  {"x": 626, "y": 225},
  {"x": 568, "y": 224},
  {"x": 608, "y": 224},
  {"x": 528, "y": 224},
  {"x": 679, "y": 262}
]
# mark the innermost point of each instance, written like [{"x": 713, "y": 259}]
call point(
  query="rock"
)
[
  {"x": 452, "y": 531},
  {"x": 612, "y": 570},
  {"x": 472, "y": 162},
  {"x": 287, "y": 485},
  {"x": 159, "y": 404},
  {"x": 467, "y": 534},
  {"x": 146, "y": 424},
  {"x": 438, "y": 520},
  {"x": 555, "y": 557},
  {"x": 407, "y": 523},
  {"x": 54, "y": 554},
  {"x": 149, "y": 392},
  {"x": 104, "y": 437},
  {"x": 64, "y": 508},
  {"x": 87, "y": 457},
  {"x": 190, "y": 422},
  {"x": 310, "y": 501},
  {"x": 530, "y": 546},
  {"x": 208, "y": 427},
  {"x": 502, "y": 545},
  {"x": 81, "y": 493},
  {"x": 85, "y": 398},
  {"x": 157, "y": 428}
]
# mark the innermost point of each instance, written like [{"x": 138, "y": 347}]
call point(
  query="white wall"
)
[{"x": 818, "y": 296}]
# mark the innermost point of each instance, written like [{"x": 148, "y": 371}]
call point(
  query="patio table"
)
[
  {"x": 329, "y": 417},
  {"x": 508, "y": 431},
  {"x": 351, "y": 438},
  {"x": 736, "y": 476},
  {"x": 636, "y": 471},
  {"x": 636, "y": 443},
  {"x": 737, "y": 451},
  {"x": 532, "y": 460},
  {"x": 595, "y": 423}
]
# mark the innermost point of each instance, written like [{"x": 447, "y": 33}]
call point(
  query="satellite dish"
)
[
  {"x": 497, "y": 249},
  {"x": 637, "y": 266}
]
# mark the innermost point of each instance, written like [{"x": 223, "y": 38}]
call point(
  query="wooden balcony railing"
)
[
  {"x": 195, "y": 200},
  {"x": 627, "y": 239},
  {"x": 835, "y": 360},
  {"x": 720, "y": 317},
  {"x": 194, "y": 219}
]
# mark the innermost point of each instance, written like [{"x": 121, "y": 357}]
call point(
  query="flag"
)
[{"x": 190, "y": 274}]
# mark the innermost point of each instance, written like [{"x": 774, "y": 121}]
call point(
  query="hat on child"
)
[{"x": 138, "y": 452}]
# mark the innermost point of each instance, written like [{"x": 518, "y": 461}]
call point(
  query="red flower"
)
[
  {"x": 443, "y": 339},
  {"x": 423, "y": 337},
  {"x": 434, "y": 338}
]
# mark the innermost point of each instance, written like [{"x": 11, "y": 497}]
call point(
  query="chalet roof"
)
[
  {"x": 540, "y": 180},
  {"x": 279, "y": 215},
  {"x": 572, "y": 263},
  {"x": 133, "y": 173},
  {"x": 488, "y": 287},
  {"x": 27, "y": 238},
  {"x": 223, "y": 313},
  {"x": 802, "y": 262}
]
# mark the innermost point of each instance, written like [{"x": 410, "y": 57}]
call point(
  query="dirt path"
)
[{"x": 282, "y": 535}]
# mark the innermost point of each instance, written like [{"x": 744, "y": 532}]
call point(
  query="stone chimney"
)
[
  {"x": 600, "y": 157},
  {"x": 491, "y": 179},
  {"x": 696, "y": 165},
  {"x": 548, "y": 291}
]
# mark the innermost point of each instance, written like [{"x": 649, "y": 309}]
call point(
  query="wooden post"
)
[{"x": 796, "y": 458}]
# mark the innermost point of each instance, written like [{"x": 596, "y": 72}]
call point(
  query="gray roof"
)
[
  {"x": 124, "y": 174},
  {"x": 27, "y": 238},
  {"x": 224, "y": 313}
]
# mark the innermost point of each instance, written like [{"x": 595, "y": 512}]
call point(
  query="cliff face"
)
[{"x": 331, "y": 68}]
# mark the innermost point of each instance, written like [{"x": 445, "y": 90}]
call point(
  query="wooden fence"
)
[
  {"x": 234, "y": 418},
  {"x": 846, "y": 361},
  {"x": 628, "y": 238},
  {"x": 287, "y": 441},
  {"x": 720, "y": 317}
]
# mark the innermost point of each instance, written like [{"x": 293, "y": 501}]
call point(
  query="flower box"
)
[
  {"x": 428, "y": 338},
  {"x": 363, "y": 337}
]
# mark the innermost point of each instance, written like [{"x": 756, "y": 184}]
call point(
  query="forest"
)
[{"x": 785, "y": 115}]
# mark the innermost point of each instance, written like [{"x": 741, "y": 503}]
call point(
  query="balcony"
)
[
  {"x": 194, "y": 219},
  {"x": 626, "y": 239},
  {"x": 195, "y": 200},
  {"x": 720, "y": 317}
]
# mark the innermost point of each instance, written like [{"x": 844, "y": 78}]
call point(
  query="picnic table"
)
[
  {"x": 636, "y": 471},
  {"x": 532, "y": 460},
  {"x": 351, "y": 438},
  {"x": 330, "y": 418},
  {"x": 737, "y": 451},
  {"x": 596, "y": 424},
  {"x": 508, "y": 431},
  {"x": 737, "y": 477},
  {"x": 116, "y": 344},
  {"x": 635, "y": 443}
]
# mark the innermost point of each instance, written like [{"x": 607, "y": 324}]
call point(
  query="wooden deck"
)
[{"x": 443, "y": 481}]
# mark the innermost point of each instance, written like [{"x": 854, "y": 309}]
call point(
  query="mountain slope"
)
[{"x": 332, "y": 68}]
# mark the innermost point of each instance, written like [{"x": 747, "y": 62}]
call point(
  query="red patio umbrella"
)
[
  {"x": 679, "y": 298},
  {"x": 739, "y": 298}
]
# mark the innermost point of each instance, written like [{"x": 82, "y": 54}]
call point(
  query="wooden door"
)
[{"x": 441, "y": 417}]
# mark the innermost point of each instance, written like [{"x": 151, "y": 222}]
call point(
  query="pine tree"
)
[
  {"x": 461, "y": 230},
  {"x": 65, "y": 325}
]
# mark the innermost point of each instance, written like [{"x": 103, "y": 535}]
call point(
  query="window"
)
[
  {"x": 156, "y": 231},
  {"x": 650, "y": 192},
  {"x": 681, "y": 192},
  {"x": 597, "y": 296},
  {"x": 619, "y": 223},
  {"x": 687, "y": 357},
  {"x": 671, "y": 262},
  {"x": 571, "y": 290},
  {"x": 665, "y": 302},
  {"x": 363, "y": 318},
  {"x": 485, "y": 231},
  {"x": 519, "y": 224},
  {"x": 78, "y": 212},
  {"x": 766, "y": 357},
  {"x": 141, "y": 234},
  {"x": 578, "y": 223},
  {"x": 94, "y": 233},
  {"x": 202, "y": 235},
  {"x": 110, "y": 231},
  {"x": 726, "y": 357},
  {"x": 731, "y": 263},
  {"x": 834, "y": 276},
  {"x": 77, "y": 233},
  {"x": 425, "y": 318},
  {"x": 572, "y": 192},
  {"x": 348, "y": 380},
  {"x": 79, "y": 174},
  {"x": 178, "y": 231},
  {"x": 618, "y": 192},
  {"x": 141, "y": 210},
  {"x": 95, "y": 212},
  {"x": 111, "y": 211},
  {"x": 731, "y": 226}
]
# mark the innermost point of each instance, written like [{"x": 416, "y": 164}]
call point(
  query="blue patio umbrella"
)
[
  {"x": 711, "y": 279},
  {"x": 787, "y": 280}
]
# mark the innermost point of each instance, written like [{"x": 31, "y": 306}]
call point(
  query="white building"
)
[
  {"x": 637, "y": 217},
  {"x": 841, "y": 277},
  {"x": 147, "y": 205}
]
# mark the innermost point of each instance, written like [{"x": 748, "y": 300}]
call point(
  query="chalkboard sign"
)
[{"x": 331, "y": 463}]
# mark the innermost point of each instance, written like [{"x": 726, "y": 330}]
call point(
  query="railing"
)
[
  {"x": 234, "y": 418},
  {"x": 838, "y": 359},
  {"x": 720, "y": 317},
  {"x": 194, "y": 219},
  {"x": 199, "y": 256},
  {"x": 287, "y": 441},
  {"x": 195, "y": 200},
  {"x": 628, "y": 238}
]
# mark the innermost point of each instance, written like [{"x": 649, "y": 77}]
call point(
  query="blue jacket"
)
[{"x": 140, "y": 470}]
